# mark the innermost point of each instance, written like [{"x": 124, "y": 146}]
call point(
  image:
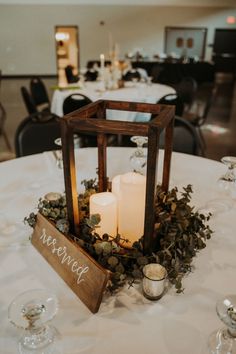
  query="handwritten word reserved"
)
[{"x": 62, "y": 254}]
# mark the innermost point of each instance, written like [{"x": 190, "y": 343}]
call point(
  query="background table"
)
[
  {"x": 201, "y": 71},
  {"x": 134, "y": 92},
  {"x": 126, "y": 322}
]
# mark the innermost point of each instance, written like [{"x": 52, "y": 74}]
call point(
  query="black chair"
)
[
  {"x": 28, "y": 101},
  {"x": 39, "y": 94},
  {"x": 74, "y": 102},
  {"x": 36, "y": 134},
  {"x": 185, "y": 139},
  {"x": 91, "y": 75},
  {"x": 199, "y": 117},
  {"x": 70, "y": 77},
  {"x": 132, "y": 75},
  {"x": 187, "y": 89},
  {"x": 173, "y": 99},
  {"x": 71, "y": 104}
]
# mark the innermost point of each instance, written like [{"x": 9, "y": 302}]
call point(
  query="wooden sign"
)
[{"x": 80, "y": 271}]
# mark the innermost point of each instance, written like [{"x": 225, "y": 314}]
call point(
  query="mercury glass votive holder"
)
[{"x": 154, "y": 281}]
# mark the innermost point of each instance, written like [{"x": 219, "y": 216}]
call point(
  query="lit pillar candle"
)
[
  {"x": 130, "y": 189},
  {"x": 105, "y": 204}
]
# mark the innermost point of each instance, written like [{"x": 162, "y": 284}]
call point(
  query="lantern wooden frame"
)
[
  {"x": 82, "y": 121},
  {"x": 79, "y": 270}
]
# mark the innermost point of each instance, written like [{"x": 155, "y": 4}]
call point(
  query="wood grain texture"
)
[{"x": 81, "y": 272}]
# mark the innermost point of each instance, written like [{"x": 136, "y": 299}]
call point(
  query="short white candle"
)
[
  {"x": 105, "y": 204},
  {"x": 52, "y": 196},
  {"x": 131, "y": 198}
]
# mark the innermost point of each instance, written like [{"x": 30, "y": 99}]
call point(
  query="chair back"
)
[
  {"x": 185, "y": 139},
  {"x": 74, "y": 102},
  {"x": 36, "y": 134},
  {"x": 132, "y": 75},
  {"x": 91, "y": 75},
  {"x": 39, "y": 93},
  {"x": 187, "y": 89},
  {"x": 28, "y": 101},
  {"x": 70, "y": 77},
  {"x": 175, "y": 100}
]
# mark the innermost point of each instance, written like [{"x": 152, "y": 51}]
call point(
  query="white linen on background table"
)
[
  {"x": 134, "y": 92},
  {"x": 126, "y": 322}
]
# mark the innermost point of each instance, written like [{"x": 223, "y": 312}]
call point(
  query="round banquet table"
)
[
  {"x": 134, "y": 92},
  {"x": 126, "y": 322}
]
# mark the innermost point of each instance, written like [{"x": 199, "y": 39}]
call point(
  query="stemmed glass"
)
[
  {"x": 138, "y": 159},
  {"x": 227, "y": 186},
  {"x": 58, "y": 153},
  {"x": 31, "y": 311},
  {"x": 223, "y": 341},
  {"x": 227, "y": 182}
]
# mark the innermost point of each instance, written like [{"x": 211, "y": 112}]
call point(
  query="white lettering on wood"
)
[{"x": 62, "y": 254}]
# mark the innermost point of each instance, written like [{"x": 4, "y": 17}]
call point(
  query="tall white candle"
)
[
  {"x": 102, "y": 61},
  {"x": 131, "y": 197},
  {"x": 102, "y": 66},
  {"x": 105, "y": 204}
]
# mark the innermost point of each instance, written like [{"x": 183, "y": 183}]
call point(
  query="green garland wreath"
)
[{"x": 180, "y": 232}]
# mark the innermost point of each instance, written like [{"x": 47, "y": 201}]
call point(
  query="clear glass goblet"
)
[
  {"x": 138, "y": 159},
  {"x": 227, "y": 182},
  {"x": 58, "y": 153},
  {"x": 223, "y": 341},
  {"x": 31, "y": 311}
]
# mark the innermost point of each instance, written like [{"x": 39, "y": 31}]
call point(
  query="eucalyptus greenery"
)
[{"x": 180, "y": 232}]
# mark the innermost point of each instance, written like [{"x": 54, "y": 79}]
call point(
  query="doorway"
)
[{"x": 67, "y": 51}]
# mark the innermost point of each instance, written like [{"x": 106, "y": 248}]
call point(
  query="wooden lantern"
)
[
  {"x": 91, "y": 287},
  {"x": 81, "y": 121}
]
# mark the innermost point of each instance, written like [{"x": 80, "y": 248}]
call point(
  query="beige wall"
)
[{"x": 27, "y": 31}]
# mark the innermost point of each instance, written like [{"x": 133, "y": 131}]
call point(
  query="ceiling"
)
[{"x": 211, "y": 3}]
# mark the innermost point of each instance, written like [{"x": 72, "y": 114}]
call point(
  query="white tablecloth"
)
[
  {"x": 134, "y": 92},
  {"x": 126, "y": 322}
]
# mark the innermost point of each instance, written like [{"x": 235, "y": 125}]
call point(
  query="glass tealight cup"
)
[{"x": 154, "y": 281}]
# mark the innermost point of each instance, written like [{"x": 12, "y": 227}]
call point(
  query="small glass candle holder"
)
[{"x": 154, "y": 281}]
